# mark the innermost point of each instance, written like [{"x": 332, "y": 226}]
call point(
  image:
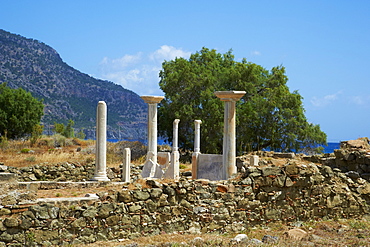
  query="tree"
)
[
  {"x": 268, "y": 115},
  {"x": 19, "y": 112},
  {"x": 59, "y": 128},
  {"x": 69, "y": 131},
  {"x": 66, "y": 131},
  {"x": 36, "y": 133}
]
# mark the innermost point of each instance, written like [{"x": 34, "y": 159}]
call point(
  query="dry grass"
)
[
  {"x": 73, "y": 192},
  {"x": 15, "y": 152},
  {"x": 350, "y": 232}
]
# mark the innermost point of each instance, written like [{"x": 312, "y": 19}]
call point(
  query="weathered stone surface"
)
[
  {"x": 41, "y": 236},
  {"x": 141, "y": 195},
  {"x": 292, "y": 169},
  {"x": 79, "y": 223},
  {"x": 105, "y": 210},
  {"x": 271, "y": 171},
  {"x": 8, "y": 200},
  {"x": 241, "y": 238},
  {"x": 113, "y": 220},
  {"x": 210, "y": 167},
  {"x": 156, "y": 193},
  {"x": 90, "y": 212},
  {"x": 11, "y": 222},
  {"x": 302, "y": 191},
  {"x": 284, "y": 155},
  {"x": 6, "y": 237},
  {"x": 296, "y": 234},
  {"x": 124, "y": 196},
  {"x": 5, "y": 211}
]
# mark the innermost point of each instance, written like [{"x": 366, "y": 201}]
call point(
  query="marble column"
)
[
  {"x": 173, "y": 170},
  {"x": 101, "y": 143},
  {"x": 229, "y": 143},
  {"x": 151, "y": 158},
  {"x": 194, "y": 158}
]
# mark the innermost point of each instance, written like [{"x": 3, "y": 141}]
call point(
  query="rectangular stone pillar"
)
[
  {"x": 126, "y": 170},
  {"x": 254, "y": 160},
  {"x": 229, "y": 144}
]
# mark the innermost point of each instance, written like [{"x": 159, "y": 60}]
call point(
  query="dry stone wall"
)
[
  {"x": 59, "y": 172},
  {"x": 295, "y": 192},
  {"x": 354, "y": 163}
]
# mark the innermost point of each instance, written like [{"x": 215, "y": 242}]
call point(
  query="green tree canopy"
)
[
  {"x": 268, "y": 115},
  {"x": 19, "y": 112}
]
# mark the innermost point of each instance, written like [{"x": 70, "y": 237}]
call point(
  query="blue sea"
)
[
  {"x": 331, "y": 146},
  {"x": 327, "y": 149}
]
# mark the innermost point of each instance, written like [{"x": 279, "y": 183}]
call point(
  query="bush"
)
[
  {"x": 25, "y": 150},
  {"x": 46, "y": 142},
  {"x": 59, "y": 140}
]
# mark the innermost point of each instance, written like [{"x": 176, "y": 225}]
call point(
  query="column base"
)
[{"x": 100, "y": 179}]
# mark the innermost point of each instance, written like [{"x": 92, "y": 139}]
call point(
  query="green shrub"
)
[
  {"x": 25, "y": 150},
  {"x": 59, "y": 140}
]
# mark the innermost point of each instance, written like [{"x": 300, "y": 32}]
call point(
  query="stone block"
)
[
  {"x": 7, "y": 177},
  {"x": 149, "y": 169},
  {"x": 254, "y": 160},
  {"x": 284, "y": 155},
  {"x": 271, "y": 171},
  {"x": 164, "y": 159},
  {"x": 210, "y": 167}
]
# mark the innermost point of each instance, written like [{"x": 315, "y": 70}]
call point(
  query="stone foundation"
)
[{"x": 257, "y": 197}]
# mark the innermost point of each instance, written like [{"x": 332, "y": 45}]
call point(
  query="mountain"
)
[{"x": 67, "y": 93}]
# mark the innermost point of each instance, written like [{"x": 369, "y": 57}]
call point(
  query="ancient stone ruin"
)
[{"x": 267, "y": 187}]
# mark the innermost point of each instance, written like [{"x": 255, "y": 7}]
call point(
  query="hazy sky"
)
[{"x": 324, "y": 45}]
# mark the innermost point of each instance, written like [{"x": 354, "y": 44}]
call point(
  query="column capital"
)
[
  {"x": 230, "y": 95},
  {"x": 152, "y": 99}
]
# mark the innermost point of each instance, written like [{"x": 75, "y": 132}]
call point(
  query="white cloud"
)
[
  {"x": 122, "y": 62},
  {"x": 168, "y": 53},
  {"x": 360, "y": 100},
  {"x": 326, "y": 100},
  {"x": 139, "y": 72},
  {"x": 256, "y": 53}
]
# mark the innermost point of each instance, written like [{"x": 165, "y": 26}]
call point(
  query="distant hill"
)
[{"x": 68, "y": 93}]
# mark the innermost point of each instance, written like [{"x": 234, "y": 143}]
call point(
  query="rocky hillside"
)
[{"x": 68, "y": 93}]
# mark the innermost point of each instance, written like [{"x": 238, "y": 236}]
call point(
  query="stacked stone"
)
[
  {"x": 263, "y": 195},
  {"x": 58, "y": 172}
]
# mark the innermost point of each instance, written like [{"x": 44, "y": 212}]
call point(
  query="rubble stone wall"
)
[
  {"x": 353, "y": 162},
  {"x": 58, "y": 172},
  {"x": 259, "y": 196}
]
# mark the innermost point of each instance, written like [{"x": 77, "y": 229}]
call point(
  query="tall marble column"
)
[
  {"x": 151, "y": 159},
  {"x": 194, "y": 158},
  {"x": 101, "y": 143},
  {"x": 229, "y": 143}
]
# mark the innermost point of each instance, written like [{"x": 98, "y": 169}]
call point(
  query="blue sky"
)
[{"x": 324, "y": 45}]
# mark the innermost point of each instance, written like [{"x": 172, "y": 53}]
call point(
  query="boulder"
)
[{"x": 296, "y": 234}]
